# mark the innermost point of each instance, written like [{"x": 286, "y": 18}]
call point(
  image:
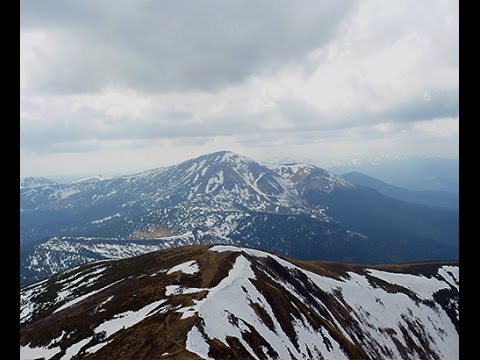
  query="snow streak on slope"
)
[{"x": 189, "y": 267}]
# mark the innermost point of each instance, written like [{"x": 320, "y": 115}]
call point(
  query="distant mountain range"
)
[
  {"x": 295, "y": 209},
  {"x": 431, "y": 198},
  {"x": 419, "y": 174},
  {"x": 227, "y": 302},
  {"x": 35, "y": 181}
]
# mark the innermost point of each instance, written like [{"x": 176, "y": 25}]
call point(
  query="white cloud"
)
[
  {"x": 31, "y": 43},
  {"x": 438, "y": 128}
]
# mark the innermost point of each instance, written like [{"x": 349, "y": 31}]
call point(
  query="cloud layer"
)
[{"x": 134, "y": 79}]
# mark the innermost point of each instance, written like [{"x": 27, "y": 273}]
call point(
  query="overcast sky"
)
[{"x": 116, "y": 86}]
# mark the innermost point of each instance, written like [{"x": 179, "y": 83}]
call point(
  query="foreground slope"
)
[{"x": 226, "y": 302}]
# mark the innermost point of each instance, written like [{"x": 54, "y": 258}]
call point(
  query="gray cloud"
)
[
  {"x": 165, "y": 45},
  {"x": 434, "y": 104},
  {"x": 89, "y": 128}
]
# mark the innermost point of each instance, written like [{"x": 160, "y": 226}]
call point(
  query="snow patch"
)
[
  {"x": 99, "y": 221},
  {"x": 451, "y": 275},
  {"x": 28, "y": 353},
  {"x": 180, "y": 290},
  {"x": 127, "y": 319},
  {"x": 189, "y": 267},
  {"x": 197, "y": 344}
]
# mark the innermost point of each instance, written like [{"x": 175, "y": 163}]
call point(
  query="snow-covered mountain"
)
[
  {"x": 223, "y": 180},
  {"x": 228, "y": 198},
  {"x": 226, "y": 302},
  {"x": 35, "y": 181},
  {"x": 307, "y": 177},
  {"x": 180, "y": 197}
]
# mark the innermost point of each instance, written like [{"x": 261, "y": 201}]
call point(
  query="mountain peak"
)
[
  {"x": 220, "y": 152},
  {"x": 224, "y": 156}
]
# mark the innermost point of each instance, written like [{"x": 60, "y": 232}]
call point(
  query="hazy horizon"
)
[
  {"x": 368, "y": 166},
  {"x": 331, "y": 165},
  {"x": 116, "y": 88}
]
